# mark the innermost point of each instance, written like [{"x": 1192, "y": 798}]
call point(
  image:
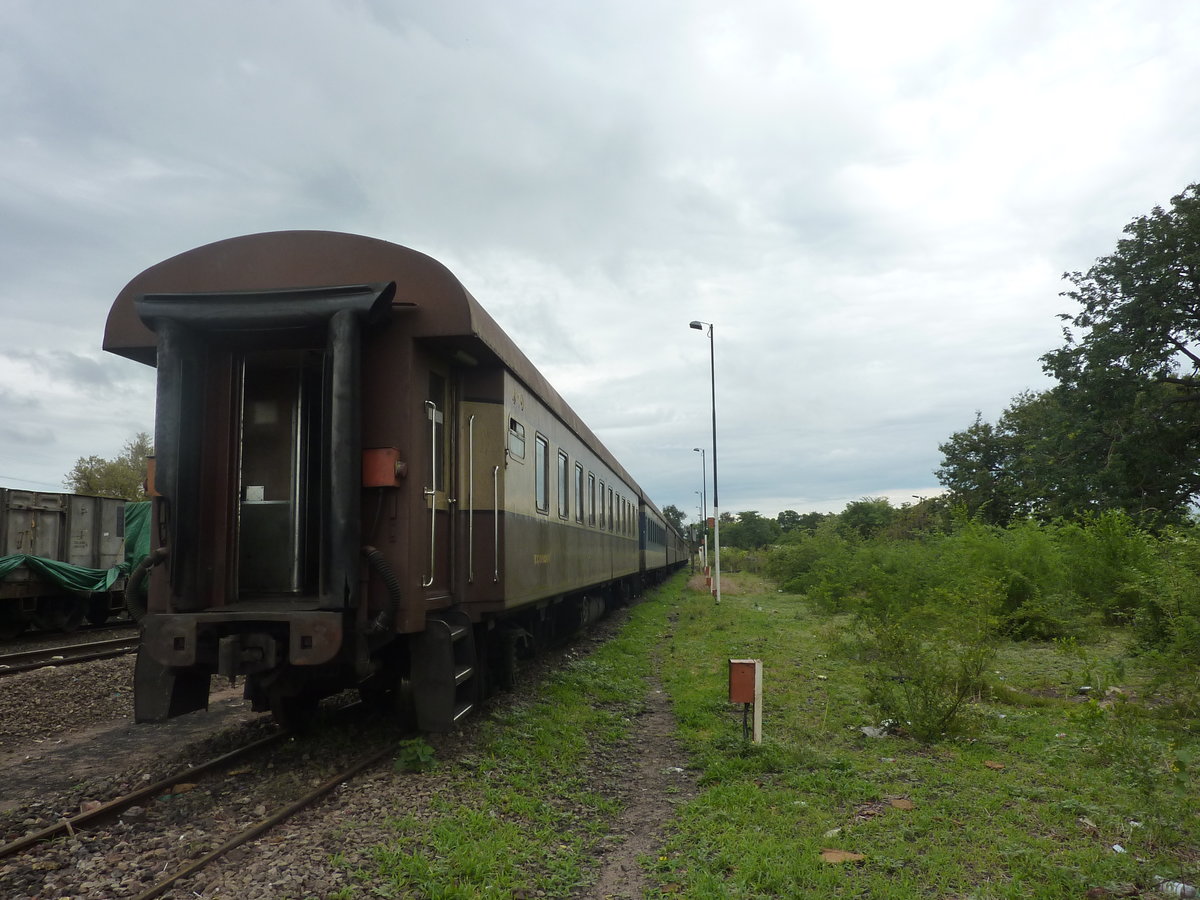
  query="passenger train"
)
[{"x": 360, "y": 481}]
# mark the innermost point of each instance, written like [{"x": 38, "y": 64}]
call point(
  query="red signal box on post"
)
[{"x": 745, "y": 687}]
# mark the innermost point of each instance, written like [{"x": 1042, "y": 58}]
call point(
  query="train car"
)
[
  {"x": 60, "y": 560},
  {"x": 361, "y": 481}
]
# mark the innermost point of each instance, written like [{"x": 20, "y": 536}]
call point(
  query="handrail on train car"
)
[
  {"x": 431, "y": 492},
  {"x": 471, "y": 500},
  {"x": 496, "y": 523}
]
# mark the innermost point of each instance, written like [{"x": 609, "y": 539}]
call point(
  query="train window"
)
[
  {"x": 435, "y": 409},
  {"x": 541, "y": 473},
  {"x": 578, "y": 493},
  {"x": 516, "y": 439},
  {"x": 591, "y": 498},
  {"x": 610, "y": 509},
  {"x": 600, "y": 507},
  {"x": 564, "y": 486}
]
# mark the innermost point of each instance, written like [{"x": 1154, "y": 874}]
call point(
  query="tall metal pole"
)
[
  {"x": 712, "y": 356},
  {"x": 703, "y": 502}
]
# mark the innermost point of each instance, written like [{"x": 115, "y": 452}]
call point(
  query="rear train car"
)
[{"x": 360, "y": 481}]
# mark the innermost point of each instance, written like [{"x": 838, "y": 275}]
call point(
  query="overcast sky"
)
[{"x": 873, "y": 202}]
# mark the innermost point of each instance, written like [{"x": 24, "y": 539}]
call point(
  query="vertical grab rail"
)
[
  {"x": 471, "y": 500},
  {"x": 431, "y": 492},
  {"x": 496, "y": 523}
]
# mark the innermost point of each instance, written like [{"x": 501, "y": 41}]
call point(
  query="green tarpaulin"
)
[
  {"x": 137, "y": 532},
  {"x": 79, "y": 579}
]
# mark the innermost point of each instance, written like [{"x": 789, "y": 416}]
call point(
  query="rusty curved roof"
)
[{"x": 439, "y": 306}]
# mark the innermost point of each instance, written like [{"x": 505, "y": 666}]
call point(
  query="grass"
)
[{"x": 1029, "y": 802}]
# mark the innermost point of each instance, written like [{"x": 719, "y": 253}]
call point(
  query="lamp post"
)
[
  {"x": 712, "y": 360},
  {"x": 703, "y": 502}
]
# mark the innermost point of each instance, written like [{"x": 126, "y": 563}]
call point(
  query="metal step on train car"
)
[
  {"x": 361, "y": 481},
  {"x": 61, "y": 559}
]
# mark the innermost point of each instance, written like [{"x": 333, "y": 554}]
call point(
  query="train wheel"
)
[
  {"x": 505, "y": 657},
  {"x": 11, "y": 625},
  {"x": 294, "y": 712},
  {"x": 97, "y": 610},
  {"x": 59, "y": 613},
  {"x": 390, "y": 696}
]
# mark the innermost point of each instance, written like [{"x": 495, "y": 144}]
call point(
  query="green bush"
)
[
  {"x": 1167, "y": 621},
  {"x": 922, "y": 680}
]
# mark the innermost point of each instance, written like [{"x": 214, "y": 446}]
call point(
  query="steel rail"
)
[
  {"x": 265, "y": 825},
  {"x": 23, "y": 661},
  {"x": 103, "y": 813}
]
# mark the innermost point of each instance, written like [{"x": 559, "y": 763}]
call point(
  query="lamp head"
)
[{"x": 698, "y": 325}]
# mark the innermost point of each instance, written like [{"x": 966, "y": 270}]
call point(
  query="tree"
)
[
  {"x": 788, "y": 520},
  {"x": 1121, "y": 429},
  {"x": 1130, "y": 364},
  {"x": 122, "y": 476},
  {"x": 868, "y": 516},
  {"x": 750, "y": 532},
  {"x": 976, "y": 470},
  {"x": 1141, "y": 305},
  {"x": 674, "y": 516}
]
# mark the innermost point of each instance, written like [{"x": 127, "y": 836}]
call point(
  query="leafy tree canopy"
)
[
  {"x": 1141, "y": 304},
  {"x": 675, "y": 516},
  {"x": 1121, "y": 429},
  {"x": 868, "y": 516},
  {"x": 750, "y": 532},
  {"x": 122, "y": 476}
]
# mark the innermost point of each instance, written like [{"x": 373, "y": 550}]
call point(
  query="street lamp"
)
[
  {"x": 712, "y": 359},
  {"x": 703, "y": 502}
]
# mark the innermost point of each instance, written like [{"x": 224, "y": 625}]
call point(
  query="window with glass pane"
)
[
  {"x": 541, "y": 472},
  {"x": 564, "y": 486}
]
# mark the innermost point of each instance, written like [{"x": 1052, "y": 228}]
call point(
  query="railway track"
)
[
  {"x": 113, "y": 808},
  {"x": 264, "y": 825},
  {"x": 24, "y": 660},
  {"x": 232, "y": 799}
]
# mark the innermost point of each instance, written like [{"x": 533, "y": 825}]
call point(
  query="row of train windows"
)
[
  {"x": 655, "y": 533},
  {"x": 618, "y": 514}
]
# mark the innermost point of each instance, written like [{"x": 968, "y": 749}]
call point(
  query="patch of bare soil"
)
[
  {"x": 656, "y": 783},
  {"x": 732, "y": 583}
]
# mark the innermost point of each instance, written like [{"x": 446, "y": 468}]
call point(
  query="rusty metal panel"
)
[
  {"x": 313, "y": 637},
  {"x": 744, "y": 680},
  {"x": 381, "y": 467},
  {"x": 33, "y": 523}
]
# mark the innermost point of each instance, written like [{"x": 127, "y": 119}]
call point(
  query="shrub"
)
[{"x": 925, "y": 681}]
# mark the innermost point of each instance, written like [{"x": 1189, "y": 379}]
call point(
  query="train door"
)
[
  {"x": 437, "y": 422},
  {"x": 278, "y": 524}
]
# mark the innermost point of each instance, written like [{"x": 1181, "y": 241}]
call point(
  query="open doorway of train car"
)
[{"x": 279, "y": 497}]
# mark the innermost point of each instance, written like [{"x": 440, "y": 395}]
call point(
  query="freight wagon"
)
[{"x": 60, "y": 560}]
